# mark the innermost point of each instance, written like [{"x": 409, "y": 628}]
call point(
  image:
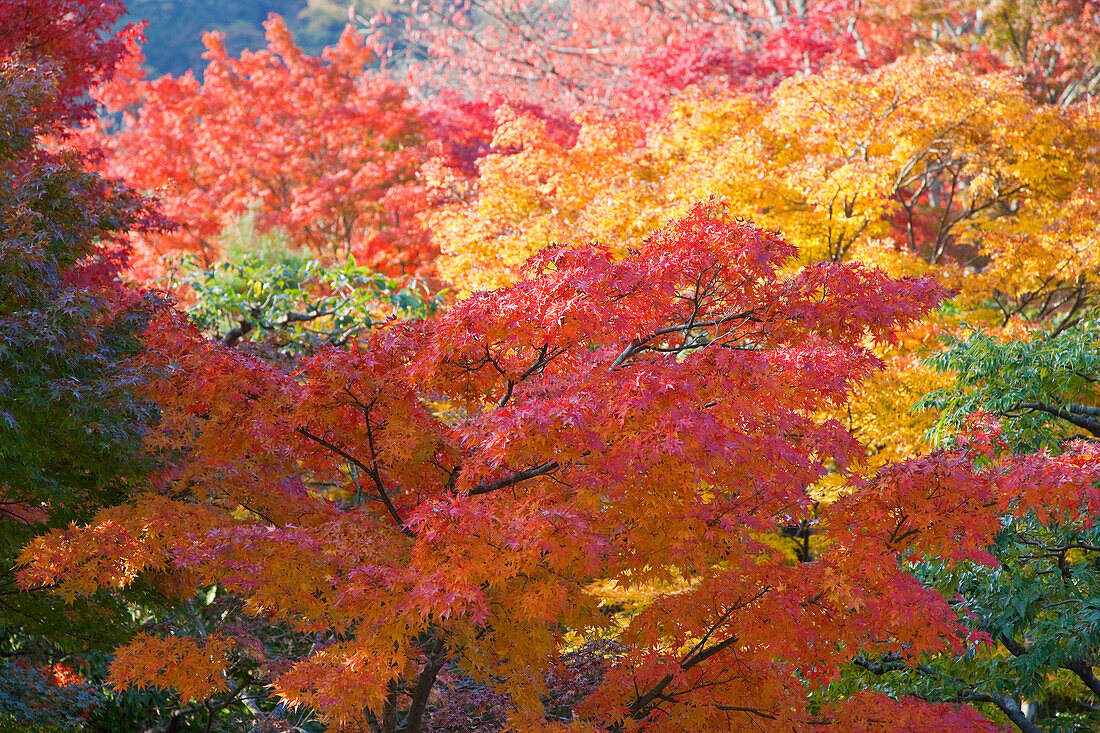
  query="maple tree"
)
[
  {"x": 73, "y": 39},
  {"x": 1053, "y": 44},
  {"x": 1017, "y": 597},
  {"x": 319, "y": 148},
  {"x": 920, "y": 166},
  {"x": 639, "y": 424},
  {"x": 885, "y": 160},
  {"x": 633, "y": 54}
]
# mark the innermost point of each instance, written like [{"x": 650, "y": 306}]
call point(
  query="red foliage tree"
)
[
  {"x": 459, "y": 490},
  {"x": 74, "y": 40},
  {"x": 320, "y": 148},
  {"x": 604, "y": 449}
]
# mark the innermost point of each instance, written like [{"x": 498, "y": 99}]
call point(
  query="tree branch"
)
[
  {"x": 1083, "y": 416},
  {"x": 515, "y": 478},
  {"x": 366, "y": 469},
  {"x": 418, "y": 703},
  {"x": 1004, "y": 703},
  {"x": 1083, "y": 669}
]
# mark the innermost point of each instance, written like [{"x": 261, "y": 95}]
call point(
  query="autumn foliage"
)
[
  {"x": 607, "y": 367},
  {"x": 320, "y": 148},
  {"x": 487, "y": 469}
]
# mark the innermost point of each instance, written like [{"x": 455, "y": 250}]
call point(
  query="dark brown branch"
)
[
  {"x": 641, "y": 706},
  {"x": 1083, "y": 669},
  {"x": 545, "y": 356},
  {"x": 1083, "y": 416},
  {"x": 418, "y": 703},
  {"x": 515, "y": 478},
  {"x": 507, "y": 394},
  {"x": 1079, "y": 667},
  {"x": 1008, "y": 706},
  {"x": 383, "y": 496},
  {"x": 639, "y": 345},
  {"x": 710, "y": 632},
  {"x": 1014, "y": 647},
  {"x": 751, "y": 711},
  {"x": 389, "y": 707},
  {"x": 236, "y": 333}
]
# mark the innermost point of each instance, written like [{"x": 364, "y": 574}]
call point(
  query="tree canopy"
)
[{"x": 591, "y": 367}]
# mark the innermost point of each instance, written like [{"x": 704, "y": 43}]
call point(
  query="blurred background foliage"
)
[{"x": 174, "y": 27}]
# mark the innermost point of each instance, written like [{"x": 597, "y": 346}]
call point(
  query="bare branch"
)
[{"x": 515, "y": 478}]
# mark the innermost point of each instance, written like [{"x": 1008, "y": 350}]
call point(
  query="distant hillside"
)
[{"x": 175, "y": 27}]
